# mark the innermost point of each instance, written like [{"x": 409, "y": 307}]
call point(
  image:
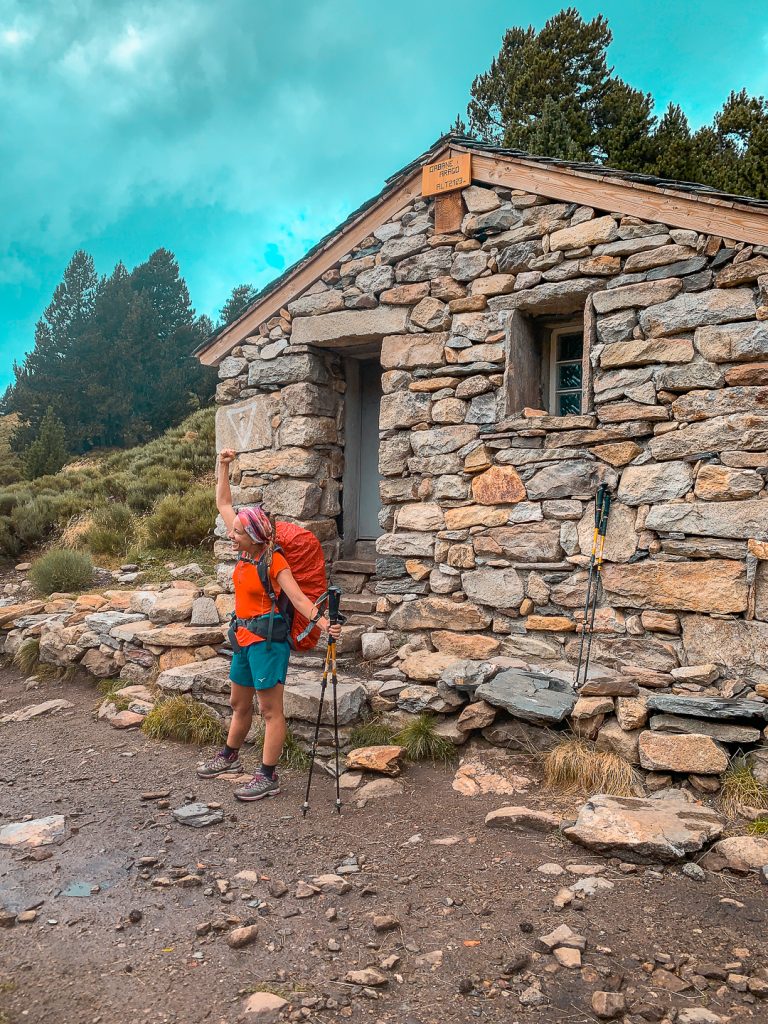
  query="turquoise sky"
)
[{"x": 238, "y": 132}]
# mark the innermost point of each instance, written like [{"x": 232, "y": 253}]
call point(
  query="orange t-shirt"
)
[{"x": 251, "y": 599}]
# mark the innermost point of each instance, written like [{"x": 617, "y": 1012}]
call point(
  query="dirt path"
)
[{"x": 481, "y": 901}]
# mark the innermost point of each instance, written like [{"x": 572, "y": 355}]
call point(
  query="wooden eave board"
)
[{"x": 707, "y": 214}]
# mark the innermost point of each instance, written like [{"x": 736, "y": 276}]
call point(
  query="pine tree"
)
[
  {"x": 242, "y": 296},
  {"x": 48, "y": 375},
  {"x": 551, "y": 134},
  {"x": 48, "y": 452}
]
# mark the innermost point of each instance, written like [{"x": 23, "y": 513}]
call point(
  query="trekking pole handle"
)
[
  {"x": 606, "y": 508},
  {"x": 334, "y": 599},
  {"x": 602, "y": 492}
]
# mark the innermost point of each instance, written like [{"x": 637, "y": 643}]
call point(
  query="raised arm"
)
[{"x": 223, "y": 490}]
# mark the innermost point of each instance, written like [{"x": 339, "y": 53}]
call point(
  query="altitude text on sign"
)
[{"x": 446, "y": 175}]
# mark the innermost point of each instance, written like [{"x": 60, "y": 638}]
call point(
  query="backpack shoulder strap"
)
[{"x": 269, "y": 590}]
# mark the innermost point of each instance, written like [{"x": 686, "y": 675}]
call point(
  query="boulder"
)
[
  {"x": 721, "y": 731},
  {"x": 737, "y": 853},
  {"x": 195, "y": 677},
  {"x": 438, "y": 613},
  {"x": 740, "y": 520},
  {"x": 245, "y": 426},
  {"x": 30, "y": 834},
  {"x": 523, "y": 819},
  {"x": 172, "y": 606},
  {"x": 664, "y": 828},
  {"x": 691, "y": 310},
  {"x": 384, "y": 760},
  {"x": 496, "y": 588},
  {"x": 417, "y": 699},
  {"x": 697, "y": 586},
  {"x": 612, "y": 738},
  {"x": 183, "y": 636},
  {"x": 679, "y": 752},
  {"x": 654, "y": 482},
  {"x": 499, "y": 485},
  {"x": 531, "y": 696},
  {"x": 718, "y": 708},
  {"x": 301, "y": 700}
]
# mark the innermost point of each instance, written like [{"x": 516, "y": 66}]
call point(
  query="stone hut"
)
[{"x": 438, "y": 387}]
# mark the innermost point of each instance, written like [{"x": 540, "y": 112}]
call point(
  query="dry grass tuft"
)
[
  {"x": 294, "y": 757},
  {"x": 741, "y": 789},
  {"x": 27, "y": 657},
  {"x": 75, "y": 533},
  {"x": 184, "y": 719},
  {"x": 422, "y": 743},
  {"x": 758, "y": 828},
  {"x": 576, "y": 765}
]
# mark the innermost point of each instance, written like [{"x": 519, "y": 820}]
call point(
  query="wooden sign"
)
[{"x": 446, "y": 175}]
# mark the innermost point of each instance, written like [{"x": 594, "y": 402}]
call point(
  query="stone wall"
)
[{"x": 488, "y": 517}]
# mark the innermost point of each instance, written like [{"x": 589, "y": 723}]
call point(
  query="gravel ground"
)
[{"x": 479, "y": 900}]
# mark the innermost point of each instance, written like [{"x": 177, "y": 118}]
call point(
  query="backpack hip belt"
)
[{"x": 269, "y": 627}]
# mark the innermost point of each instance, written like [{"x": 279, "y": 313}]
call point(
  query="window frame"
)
[{"x": 555, "y": 333}]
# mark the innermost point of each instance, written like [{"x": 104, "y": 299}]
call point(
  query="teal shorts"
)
[{"x": 261, "y": 665}]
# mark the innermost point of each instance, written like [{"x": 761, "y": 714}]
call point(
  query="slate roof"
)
[{"x": 486, "y": 148}]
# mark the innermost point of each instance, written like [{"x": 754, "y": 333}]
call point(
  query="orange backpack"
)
[{"x": 304, "y": 555}]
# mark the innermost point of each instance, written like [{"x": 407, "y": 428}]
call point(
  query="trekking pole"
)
[
  {"x": 602, "y": 531},
  {"x": 334, "y": 598},
  {"x": 305, "y": 805},
  {"x": 602, "y": 490}
]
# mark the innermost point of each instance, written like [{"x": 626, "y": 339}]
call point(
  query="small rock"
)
[
  {"x": 367, "y": 976},
  {"x": 566, "y": 957},
  {"x": 551, "y": 869},
  {"x": 382, "y": 759},
  {"x": 385, "y": 922},
  {"x": 695, "y": 872},
  {"x": 240, "y": 937},
  {"x": 590, "y": 886},
  {"x": 304, "y": 890},
  {"x": 532, "y": 996},
  {"x": 263, "y": 1007},
  {"x": 277, "y": 889},
  {"x": 39, "y": 832},
  {"x": 563, "y": 898},
  {"x": 333, "y": 884},
  {"x": 607, "y": 1005},
  {"x": 134, "y": 916},
  {"x": 27, "y": 916},
  {"x": 561, "y": 936},
  {"x": 198, "y": 815}
]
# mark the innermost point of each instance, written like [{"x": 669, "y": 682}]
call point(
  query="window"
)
[
  {"x": 566, "y": 351},
  {"x": 545, "y": 364}
]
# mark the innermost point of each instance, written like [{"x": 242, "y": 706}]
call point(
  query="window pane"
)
[
  {"x": 570, "y": 346},
  {"x": 567, "y": 404},
  {"x": 568, "y": 376}
]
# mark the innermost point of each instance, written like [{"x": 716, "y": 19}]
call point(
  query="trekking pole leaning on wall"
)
[
  {"x": 602, "y": 490},
  {"x": 333, "y": 597},
  {"x": 602, "y": 510}
]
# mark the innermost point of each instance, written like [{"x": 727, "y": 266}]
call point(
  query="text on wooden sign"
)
[{"x": 446, "y": 175}]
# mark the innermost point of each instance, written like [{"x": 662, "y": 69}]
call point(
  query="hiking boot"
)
[
  {"x": 258, "y": 787},
  {"x": 220, "y": 765}
]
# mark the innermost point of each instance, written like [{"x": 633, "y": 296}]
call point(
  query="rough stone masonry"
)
[{"x": 487, "y": 506}]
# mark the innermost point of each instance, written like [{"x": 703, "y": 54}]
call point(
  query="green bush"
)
[
  {"x": 182, "y": 520},
  {"x": 113, "y": 530},
  {"x": 61, "y": 570}
]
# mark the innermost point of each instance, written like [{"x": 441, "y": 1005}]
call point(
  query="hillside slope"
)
[{"x": 112, "y": 504}]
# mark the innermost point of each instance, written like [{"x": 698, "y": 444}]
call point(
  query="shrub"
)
[
  {"x": 422, "y": 743},
  {"x": 576, "y": 765},
  {"x": 182, "y": 520},
  {"x": 158, "y": 482},
  {"x": 61, "y": 570},
  {"x": 111, "y": 531},
  {"x": 184, "y": 719}
]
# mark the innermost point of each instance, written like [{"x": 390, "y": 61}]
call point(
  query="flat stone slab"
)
[
  {"x": 35, "y": 710},
  {"x": 198, "y": 815},
  {"x": 663, "y": 828},
  {"x": 212, "y": 674},
  {"x": 40, "y": 832},
  {"x": 708, "y": 707},
  {"x": 717, "y": 730},
  {"x": 523, "y": 819},
  {"x": 531, "y": 696},
  {"x": 682, "y": 752}
]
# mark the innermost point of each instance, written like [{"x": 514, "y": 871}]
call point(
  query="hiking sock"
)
[
  {"x": 230, "y": 752},
  {"x": 268, "y": 770}
]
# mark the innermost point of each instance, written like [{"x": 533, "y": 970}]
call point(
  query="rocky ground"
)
[{"x": 132, "y": 916}]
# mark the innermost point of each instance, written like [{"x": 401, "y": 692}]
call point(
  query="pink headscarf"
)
[{"x": 256, "y": 524}]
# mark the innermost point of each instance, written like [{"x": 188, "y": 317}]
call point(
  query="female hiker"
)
[{"x": 256, "y": 664}]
